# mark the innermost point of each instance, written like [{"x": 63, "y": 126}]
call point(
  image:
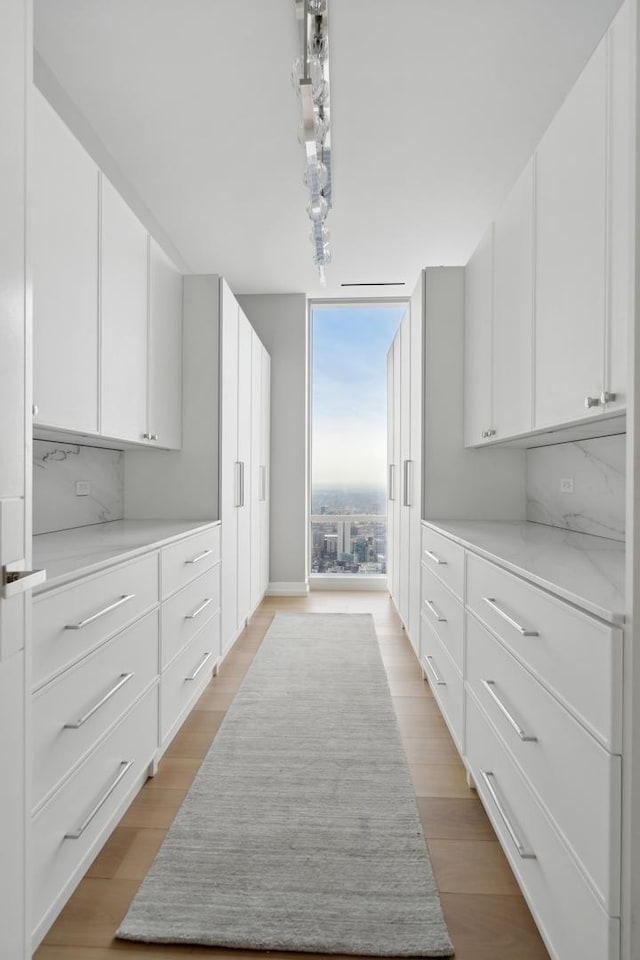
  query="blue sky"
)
[{"x": 349, "y": 393}]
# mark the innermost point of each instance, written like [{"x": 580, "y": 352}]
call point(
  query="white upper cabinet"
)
[
  {"x": 124, "y": 319},
  {"x": 65, "y": 275},
  {"x": 164, "y": 417},
  {"x": 571, "y": 252},
  {"x": 478, "y": 335},
  {"x": 513, "y": 310}
]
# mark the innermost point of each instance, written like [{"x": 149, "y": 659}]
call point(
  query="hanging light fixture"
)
[{"x": 310, "y": 77}]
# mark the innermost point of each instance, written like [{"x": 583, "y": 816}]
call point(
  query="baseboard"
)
[
  {"x": 327, "y": 582},
  {"x": 288, "y": 588}
]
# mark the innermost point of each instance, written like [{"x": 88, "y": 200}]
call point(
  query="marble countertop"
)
[
  {"x": 586, "y": 570},
  {"x": 68, "y": 554}
]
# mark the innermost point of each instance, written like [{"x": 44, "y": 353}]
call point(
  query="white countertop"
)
[
  {"x": 586, "y": 570},
  {"x": 68, "y": 554}
]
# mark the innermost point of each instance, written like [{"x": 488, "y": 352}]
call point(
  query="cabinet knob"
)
[
  {"x": 147, "y": 436},
  {"x": 491, "y": 432},
  {"x": 34, "y": 409},
  {"x": 154, "y": 436},
  {"x": 592, "y": 402},
  {"x": 606, "y": 397}
]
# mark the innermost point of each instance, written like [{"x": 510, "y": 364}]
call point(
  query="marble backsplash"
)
[
  {"x": 58, "y": 468},
  {"x": 596, "y": 469}
]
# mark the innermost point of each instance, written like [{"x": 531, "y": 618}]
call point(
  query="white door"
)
[
  {"x": 265, "y": 460},
  {"x": 405, "y": 467},
  {"x": 513, "y": 309},
  {"x": 164, "y": 417},
  {"x": 246, "y": 544},
  {"x": 65, "y": 275},
  {"x": 571, "y": 232},
  {"x": 395, "y": 577},
  {"x": 415, "y": 318},
  {"x": 15, "y": 502},
  {"x": 478, "y": 335},
  {"x": 256, "y": 470},
  {"x": 229, "y": 466},
  {"x": 391, "y": 471}
]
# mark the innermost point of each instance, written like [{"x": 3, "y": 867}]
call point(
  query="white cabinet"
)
[
  {"x": 478, "y": 333},
  {"x": 513, "y": 310},
  {"x": 123, "y": 291},
  {"x": 260, "y": 405},
  {"x": 65, "y": 275},
  {"x": 164, "y": 407},
  {"x": 571, "y": 250},
  {"x": 230, "y": 493}
]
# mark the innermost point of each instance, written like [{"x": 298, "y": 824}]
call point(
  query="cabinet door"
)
[
  {"x": 246, "y": 543},
  {"x": 265, "y": 460},
  {"x": 478, "y": 336},
  {"x": 256, "y": 470},
  {"x": 621, "y": 211},
  {"x": 395, "y": 573},
  {"x": 165, "y": 350},
  {"x": 65, "y": 276},
  {"x": 229, "y": 466},
  {"x": 405, "y": 464},
  {"x": 513, "y": 309},
  {"x": 124, "y": 320},
  {"x": 391, "y": 470},
  {"x": 571, "y": 252}
]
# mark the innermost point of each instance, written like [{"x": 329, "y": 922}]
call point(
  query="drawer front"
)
[
  {"x": 74, "y": 620},
  {"x": 445, "y": 614},
  {"x": 444, "y": 680},
  {"x": 59, "y": 860},
  {"x": 576, "y": 656},
  {"x": 187, "y": 559},
  {"x": 547, "y": 738},
  {"x": 553, "y": 885},
  {"x": 187, "y": 676},
  {"x": 187, "y": 611},
  {"x": 444, "y": 558},
  {"x": 73, "y": 712}
]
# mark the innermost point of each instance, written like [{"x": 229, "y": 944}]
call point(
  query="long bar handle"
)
[
  {"x": 438, "y": 616},
  {"x": 201, "y": 666},
  {"x": 123, "y": 769},
  {"x": 196, "y": 613},
  {"x": 201, "y": 556},
  {"x": 408, "y": 484},
  {"x": 436, "y": 559},
  {"x": 237, "y": 466},
  {"x": 242, "y": 483},
  {"x": 436, "y": 676},
  {"x": 124, "y": 678},
  {"x": 489, "y": 779},
  {"x": 526, "y": 737},
  {"x": 101, "y": 613},
  {"x": 392, "y": 481},
  {"x": 505, "y": 616}
]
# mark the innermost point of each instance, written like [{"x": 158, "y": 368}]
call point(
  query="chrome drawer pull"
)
[
  {"x": 505, "y": 616},
  {"x": 122, "y": 770},
  {"x": 436, "y": 676},
  {"x": 124, "y": 678},
  {"x": 435, "y": 558},
  {"x": 489, "y": 780},
  {"x": 432, "y": 609},
  {"x": 527, "y": 737},
  {"x": 201, "y": 556},
  {"x": 196, "y": 613},
  {"x": 100, "y": 613},
  {"x": 200, "y": 666}
]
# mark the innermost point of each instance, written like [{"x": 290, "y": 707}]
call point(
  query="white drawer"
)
[
  {"x": 569, "y": 916},
  {"x": 71, "y": 622},
  {"x": 185, "y": 560},
  {"x": 73, "y": 712},
  {"x": 445, "y": 613},
  {"x": 576, "y": 656},
  {"x": 577, "y": 780},
  {"x": 187, "y": 676},
  {"x": 187, "y": 611},
  {"x": 445, "y": 558},
  {"x": 444, "y": 679},
  {"x": 59, "y": 861}
]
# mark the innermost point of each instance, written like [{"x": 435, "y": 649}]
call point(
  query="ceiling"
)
[{"x": 436, "y": 106}]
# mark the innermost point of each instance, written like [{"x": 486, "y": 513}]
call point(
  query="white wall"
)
[
  {"x": 183, "y": 484},
  {"x": 280, "y": 320}
]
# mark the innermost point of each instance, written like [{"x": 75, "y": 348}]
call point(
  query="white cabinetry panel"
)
[
  {"x": 164, "y": 417},
  {"x": 478, "y": 342}
]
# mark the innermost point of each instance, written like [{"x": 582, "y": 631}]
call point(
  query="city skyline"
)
[{"x": 349, "y": 393}]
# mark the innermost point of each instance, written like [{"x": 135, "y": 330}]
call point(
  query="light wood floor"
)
[{"x": 487, "y": 917}]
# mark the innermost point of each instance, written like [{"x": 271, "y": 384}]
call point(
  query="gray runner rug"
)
[{"x": 301, "y": 830}]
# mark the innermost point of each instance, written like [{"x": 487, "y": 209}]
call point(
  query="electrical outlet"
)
[
  {"x": 566, "y": 485},
  {"x": 83, "y": 488}
]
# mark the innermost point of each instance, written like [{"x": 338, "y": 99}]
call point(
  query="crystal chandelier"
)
[{"x": 311, "y": 80}]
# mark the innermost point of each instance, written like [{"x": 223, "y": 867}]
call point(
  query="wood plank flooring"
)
[{"x": 487, "y": 916}]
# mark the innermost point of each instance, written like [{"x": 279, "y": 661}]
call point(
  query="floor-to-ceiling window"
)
[{"x": 349, "y": 344}]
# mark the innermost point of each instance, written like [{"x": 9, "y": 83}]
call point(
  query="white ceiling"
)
[{"x": 436, "y": 107}]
